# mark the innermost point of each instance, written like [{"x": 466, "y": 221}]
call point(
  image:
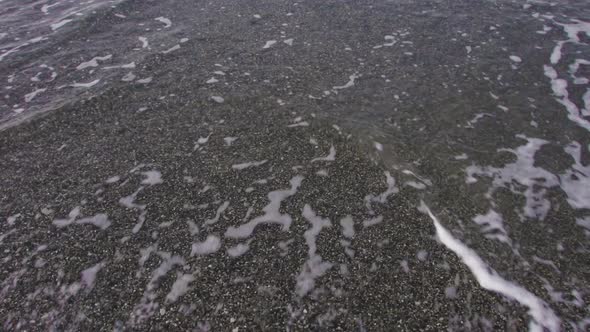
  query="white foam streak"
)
[
  {"x": 576, "y": 181},
  {"x": 271, "y": 214},
  {"x": 85, "y": 85},
  {"x": 166, "y": 21},
  {"x": 492, "y": 224},
  {"x": 211, "y": 244},
  {"x": 372, "y": 221},
  {"x": 148, "y": 305},
  {"x": 172, "y": 49},
  {"x": 314, "y": 267},
  {"x": 145, "y": 80},
  {"x": 218, "y": 99},
  {"x": 556, "y": 53},
  {"x": 573, "y": 29},
  {"x": 524, "y": 172},
  {"x": 489, "y": 279},
  {"x": 348, "y": 84},
  {"x": 89, "y": 275},
  {"x": 220, "y": 210},
  {"x": 45, "y": 8},
  {"x": 180, "y": 287},
  {"x": 249, "y": 164},
  {"x": 584, "y": 222},
  {"x": 559, "y": 85},
  {"x": 129, "y": 202},
  {"x": 330, "y": 157},
  {"x": 100, "y": 220},
  {"x": 347, "y": 224},
  {"x": 586, "y": 99},
  {"x": 382, "y": 198},
  {"x": 128, "y": 77},
  {"x": 144, "y": 42},
  {"x": 152, "y": 178},
  {"x": 239, "y": 249},
  {"x": 269, "y": 44},
  {"x": 31, "y": 95},
  {"x": 93, "y": 62},
  {"x": 60, "y": 24},
  {"x": 229, "y": 140},
  {"x": 299, "y": 124}
]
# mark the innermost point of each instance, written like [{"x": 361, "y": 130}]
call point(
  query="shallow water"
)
[{"x": 473, "y": 116}]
